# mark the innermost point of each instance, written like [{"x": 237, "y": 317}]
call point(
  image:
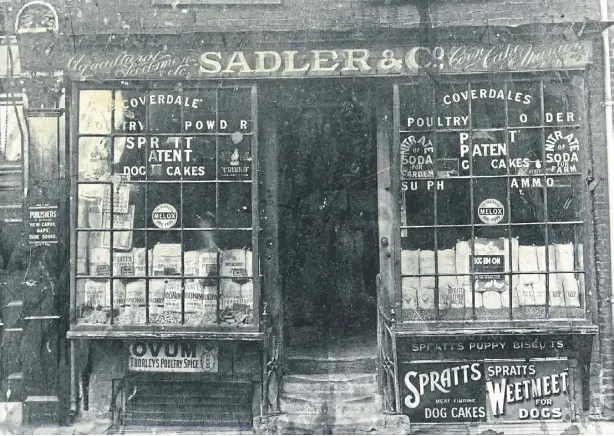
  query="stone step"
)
[
  {"x": 352, "y": 384},
  {"x": 41, "y": 409},
  {"x": 330, "y": 406},
  {"x": 365, "y": 424},
  {"x": 305, "y": 364}
]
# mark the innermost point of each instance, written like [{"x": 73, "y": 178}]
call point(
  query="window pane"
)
[
  {"x": 454, "y": 202},
  {"x": 416, "y": 102},
  {"x": 94, "y": 158},
  {"x": 417, "y": 156},
  {"x": 164, "y": 205},
  {"x": 487, "y": 105},
  {"x": 562, "y": 151},
  {"x": 489, "y": 152},
  {"x": 93, "y": 301},
  {"x": 199, "y": 205},
  {"x": 454, "y": 154},
  {"x": 417, "y": 203},
  {"x": 564, "y": 201},
  {"x": 235, "y": 110},
  {"x": 131, "y": 111},
  {"x": 455, "y": 300},
  {"x": 130, "y": 157},
  {"x": 452, "y": 107},
  {"x": 524, "y": 105},
  {"x": 525, "y": 151},
  {"x": 561, "y": 105},
  {"x": 95, "y": 109},
  {"x": 200, "y": 162},
  {"x": 235, "y": 205},
  {"x": 165, "y": 111},
  {"x": 235, "y": 157},
  {"x": 490, "y": 201},
  {"x": 527, "y": 199},
  {"x": 202, "y": 118}
]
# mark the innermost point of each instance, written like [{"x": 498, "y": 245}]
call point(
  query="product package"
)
[
  {"x": 123, "y": 263},
  {"x": 166, "y": 259},
  {"x": 190, "y": 263},
  {"x": 410, "y": 262},
  {"x": 100, "y": 262},
  {"x": 409, "y": 288}
]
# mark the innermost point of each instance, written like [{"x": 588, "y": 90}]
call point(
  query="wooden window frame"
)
[
  {"x": 584, "y": 212},
  {"x": 219, "y": 331}
]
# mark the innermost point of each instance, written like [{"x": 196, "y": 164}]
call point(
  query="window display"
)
[
  {"x": 491, "y": 200},
  {"x": 164, "y": 200}
]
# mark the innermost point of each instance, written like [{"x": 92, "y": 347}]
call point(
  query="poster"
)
[
  {"x": 43, "y": 224},
  {"x": 172, "y": 356},
  {"x": 486, "y": 390}
]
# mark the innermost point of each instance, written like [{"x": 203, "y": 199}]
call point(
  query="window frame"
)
[
  {"x": 583, "y": 132},
  {"x": 218, "y": 330}
]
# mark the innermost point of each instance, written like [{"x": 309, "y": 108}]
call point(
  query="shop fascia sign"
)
[{"x": 376, "y": 61}]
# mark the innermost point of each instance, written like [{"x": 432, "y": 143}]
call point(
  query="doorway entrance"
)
[{"x": 328, "y": 211}]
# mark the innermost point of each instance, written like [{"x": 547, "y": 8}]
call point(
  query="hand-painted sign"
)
[
  {"x": 533, "y": 390},
  {"x": 486, "y": 390},
  {"x": 169, "y": 64},
  {"x": 172, "y": 356},
  {"x": 443, "y": 391},
  {"x": 43, "y": 224}
]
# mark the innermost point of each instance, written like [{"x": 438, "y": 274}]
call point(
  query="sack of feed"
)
[
  {"x": 409, "y": 289},
  {"x": 463, "y": 254},
  {"x": 207, "y": 264},
  {"x": 97, "y": 293},
  {"x": 528, "y": 262},
  {"x": 210, "y": 304},
  {"x": 156, "y": 298},
  {"x": 172, "y": 296},
  {"x": 190, "y": 263},
  {"x": 194, "y": 295},
  {"x": 565, "y": 261},
  {"x": 166, "y": 259},
  {"x": 410, "y": 262},
  {"x": 138, "y": 255},
  {"x": 427, "y": 266},
  {"x": 491, "y": 300},
  {"x": 426, "y": 297},
  {"x": 119, "y": 296},
  {"x": 456, "y": 296},
  {"x": 505, "y": 297},
  {"x": 234, "y": 263},
  {"x": 100, "y": 262},
  {"x": 526, "y": 297}
]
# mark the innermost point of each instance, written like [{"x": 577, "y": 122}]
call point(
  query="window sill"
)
[
  {"x": 520, "y": 327},
  {"x": 221, "y": 333}
]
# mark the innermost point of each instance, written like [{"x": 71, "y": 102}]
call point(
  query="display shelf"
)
[{"x": 167, "y": 332}]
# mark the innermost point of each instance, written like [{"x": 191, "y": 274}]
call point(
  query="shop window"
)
[
  {"x": 13, "y": 139},
  {"x": 165, "y": 220},
  {"x": 491, "y": 199}
]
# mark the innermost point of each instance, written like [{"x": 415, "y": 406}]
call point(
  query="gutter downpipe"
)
[{"x": 609, "y": 138}]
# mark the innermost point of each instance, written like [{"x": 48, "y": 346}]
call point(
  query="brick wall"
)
[{"x": 128, "y": 16}]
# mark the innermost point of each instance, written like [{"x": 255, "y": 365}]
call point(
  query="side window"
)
[{"x": 13, "y": 142}]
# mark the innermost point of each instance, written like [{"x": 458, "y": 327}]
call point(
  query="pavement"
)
[{"x": 101, "y": 427}]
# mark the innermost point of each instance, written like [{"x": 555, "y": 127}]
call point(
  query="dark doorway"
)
[{"x": 328, "y": 210}]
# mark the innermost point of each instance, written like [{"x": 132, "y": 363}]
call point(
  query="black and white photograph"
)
[{"x": 314, "y": 217}]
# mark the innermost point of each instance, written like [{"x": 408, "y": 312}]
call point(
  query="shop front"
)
[{"x": 432, "y": 195}]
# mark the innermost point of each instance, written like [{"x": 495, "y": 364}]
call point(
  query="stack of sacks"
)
[
  {"x": 556, "y": 297},
  {"x": 166, "y": 259},
  {"x": 446, "y": 263},
  {"x": 530, "y": 291},
  {"x": 100, "y": 261},
  {"x": 410, "y": 260},
  {"x": 567, "y": 280},
  {"x": 463, "y": 254},
  {"x": 190, "y": 263},
  {"x": 426, "y": 292},
  {"x": 138, "y": 255}
]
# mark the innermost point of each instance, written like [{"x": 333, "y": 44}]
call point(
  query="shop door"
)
[{"x": 328, "y": 213}]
